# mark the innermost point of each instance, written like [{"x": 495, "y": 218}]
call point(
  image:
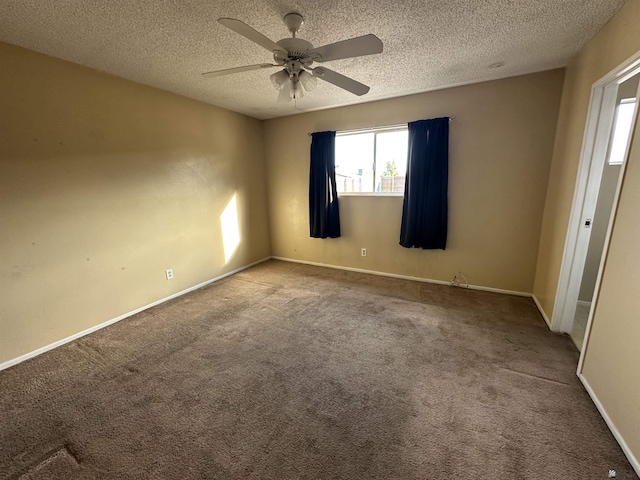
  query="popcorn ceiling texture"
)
[{"x": 428, "y": 44}]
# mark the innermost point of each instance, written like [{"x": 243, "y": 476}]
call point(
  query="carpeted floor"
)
[{"x": 287, "y": 371}]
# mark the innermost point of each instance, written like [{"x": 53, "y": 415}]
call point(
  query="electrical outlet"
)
[
  {"x": 363, "y": 252},
  {"x": 169, "y": 273}
]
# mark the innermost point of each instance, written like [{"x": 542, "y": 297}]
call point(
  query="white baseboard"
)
[
  {"x": 541, "y": 310},
  {"x": 404, "y": 277},
  {"x": 616, "y": 433},
  {"x": 35, "y": 353}
]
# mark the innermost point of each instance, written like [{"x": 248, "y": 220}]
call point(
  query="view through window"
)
[
  {"x": 621, "y": 130},
  {"x": 373, "y": 161}
]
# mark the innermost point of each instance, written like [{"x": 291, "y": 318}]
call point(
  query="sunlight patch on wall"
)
[{"x": 230, "y": 229}]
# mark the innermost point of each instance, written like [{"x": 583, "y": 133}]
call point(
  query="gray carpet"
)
[{"x": 287, "y": 371}]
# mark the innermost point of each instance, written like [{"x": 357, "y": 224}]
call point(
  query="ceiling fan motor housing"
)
[
  {"x": 294, "y": 67},
  {"x": 297, "y": 50}
]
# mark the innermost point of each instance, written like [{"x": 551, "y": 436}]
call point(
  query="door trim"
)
[{"x": 592, "y": 157}]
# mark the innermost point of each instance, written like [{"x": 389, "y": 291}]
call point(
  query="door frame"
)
[{"x": 595, "y": 144}]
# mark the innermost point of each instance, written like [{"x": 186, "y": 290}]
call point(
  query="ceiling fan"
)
[{"x": 296, "y": 56}]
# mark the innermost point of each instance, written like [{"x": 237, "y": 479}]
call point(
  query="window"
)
[
  {"x": 372, "y": 161},
  {"x": 621, "y": 130}
]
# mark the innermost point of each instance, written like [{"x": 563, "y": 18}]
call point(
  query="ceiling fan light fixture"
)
[
  {"x": 285, "y": 93},
  {"x": 307, "y": 80},
  {"x": 279, "y": 79},
  {"x": 294, "y": 56},
  {"x": 297, "y": 91}
]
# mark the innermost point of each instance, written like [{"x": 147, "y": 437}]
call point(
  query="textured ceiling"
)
[{"x": 428, "y": 44}]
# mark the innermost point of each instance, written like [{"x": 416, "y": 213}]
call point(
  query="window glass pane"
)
[
  {"x": 391, "y": 161},
  {"x": 621, "y": 132},
  {"x": 354, "y": 162}
]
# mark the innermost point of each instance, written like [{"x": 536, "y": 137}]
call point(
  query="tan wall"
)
[
  {"x": 616, "y": 41},
  {"x": 612, "y": 357},
  {"x": 500, "y": 149},
  {"x": 104, "y": 184},
  {"x": 612, "y": 354}
]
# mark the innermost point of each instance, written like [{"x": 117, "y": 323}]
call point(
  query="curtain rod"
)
[{"x": 452, "y": 117}]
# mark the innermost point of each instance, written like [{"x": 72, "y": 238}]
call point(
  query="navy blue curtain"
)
[
  {"x": 424, "y": 210},
  {"x": 324, "y": 214}
]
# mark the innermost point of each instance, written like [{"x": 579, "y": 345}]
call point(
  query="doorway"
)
[
  {"x": 610, "y": 120},
  {"x": 626, "y": 101}
]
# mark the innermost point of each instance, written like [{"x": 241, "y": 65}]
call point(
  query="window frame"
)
[{"x": 402, "y": 127}]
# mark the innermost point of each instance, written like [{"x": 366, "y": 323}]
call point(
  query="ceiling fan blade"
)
[
  {"x": 250, "y": 33},
  {"x": 339, "y": 80},
  {"x": 285, "y": 93},
  {"x": 354, "y": 47},
  {"x": 227, "y": 71}
]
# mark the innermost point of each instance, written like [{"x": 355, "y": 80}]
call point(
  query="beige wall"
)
[
  {"x": 612, "y": 352},
  {"x": 616, "y": 41},
  {"x": 104, "y": 184},
  {"x": 612, "y": 358},
  {"x": 500, "y": 149}
]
